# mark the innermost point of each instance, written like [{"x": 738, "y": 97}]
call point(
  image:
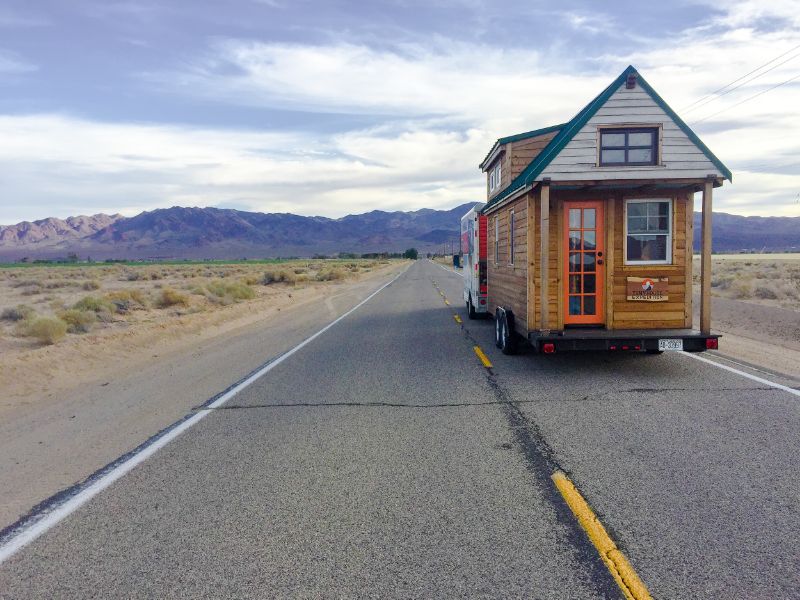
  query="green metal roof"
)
[
  {"x": 521, "y": 136},
  {"x": 568, "y": 131}
]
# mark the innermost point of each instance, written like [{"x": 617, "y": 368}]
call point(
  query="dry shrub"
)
[
  {"x": 235, "y": 290},
  {"x": 127, "y": 300},
  {"x": 742, "y": 289},
  {"x": 94, "y": 304},
  {"x": 721, "y": 282},
  {"x": 280, "y": 276},
  {"x": 765, "y": 292},
  {"x": 91, "y": 284},
  {"x": 32, "y": 290},
  {"x": 330, "y": 275},
  {"x": 78, "y": 321},
  {"x": 17, "y": 313},
  {"x": 47, "y": 330},
  {"x": 169, "y": 297}
]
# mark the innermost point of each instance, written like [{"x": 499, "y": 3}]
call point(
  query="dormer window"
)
[
  {"x": 630, "y": 146},
  {"x": 494, "y": 178}
]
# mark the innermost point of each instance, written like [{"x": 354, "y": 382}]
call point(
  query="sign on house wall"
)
[{"x": 648, "y": 289}]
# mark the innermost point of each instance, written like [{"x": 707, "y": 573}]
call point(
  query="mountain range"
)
[{"x": 195, "y": 233}]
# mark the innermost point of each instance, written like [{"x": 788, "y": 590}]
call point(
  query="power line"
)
[
  {"x": 724, "y": 87},
  {"x": 743, "y": 83},
  {"x": 761, "y": 93}
]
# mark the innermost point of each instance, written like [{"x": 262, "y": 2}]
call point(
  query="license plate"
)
[{"x": 670, "y": 344}]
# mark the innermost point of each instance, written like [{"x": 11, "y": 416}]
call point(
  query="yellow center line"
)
[
  {"x": 622, "y": 571},
  {"x": 457, "y": 318},
  {"x": 482, "y": 356},
  {"x": 446, "y": 301}
]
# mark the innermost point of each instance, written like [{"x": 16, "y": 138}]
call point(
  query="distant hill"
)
[
  {"x": 179, "y": 232},
  {"x": 735, "y": 233}
]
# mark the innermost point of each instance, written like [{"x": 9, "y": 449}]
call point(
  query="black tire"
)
[
  {"x": 508, "y": 340},
  {"x": 498, "y": 328},
  {"x": 654, "y": 351},
  {"x": 471, "y": 309}
]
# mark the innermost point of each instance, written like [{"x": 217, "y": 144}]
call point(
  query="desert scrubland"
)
[{"x": 59, "y": 322}]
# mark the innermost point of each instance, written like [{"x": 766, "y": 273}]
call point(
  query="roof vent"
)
[{"x": 630, "y": 83}]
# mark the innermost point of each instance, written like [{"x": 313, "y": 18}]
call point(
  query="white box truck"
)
[{"x": 473, "y": 261}]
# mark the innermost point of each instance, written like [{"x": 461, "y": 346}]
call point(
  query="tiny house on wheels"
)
[
  {"x": 473, "y": 252},
  {"x": 590, "y": 228}
]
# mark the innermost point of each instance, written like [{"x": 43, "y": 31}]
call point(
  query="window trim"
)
[
  {"x": 511, "y": 223},
  {"x": 627, "y": 130},
  {"x": 670, "y": 235},
  {"x": 495, "y": 174}
]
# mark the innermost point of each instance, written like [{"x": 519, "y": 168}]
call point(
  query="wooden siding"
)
[
  {"x": 555, "y": 259},
  {"x": 509, "y": 285},
  {"x": 523, "y": 152},
  {"x": 679, "y": 156},
  {"x": 514, "y": 157},
  {"x": 507, "y": 282}
]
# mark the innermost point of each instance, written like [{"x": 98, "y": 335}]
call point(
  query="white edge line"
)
[
  {"x": 451, "y": 270},
  {"x": 27, "y": 535},
  {"x": 779, "y": 386}
]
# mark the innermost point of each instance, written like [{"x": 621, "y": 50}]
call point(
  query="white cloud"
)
[{"x": 447, "y": 100}]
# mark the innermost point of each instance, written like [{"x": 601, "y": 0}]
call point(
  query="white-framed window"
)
[
  {"x": 496, "y": 240},
  {"x": 511, "y": 238},
  {"x": 495, "y": 178},
  {"x": 648, "y": 231}
]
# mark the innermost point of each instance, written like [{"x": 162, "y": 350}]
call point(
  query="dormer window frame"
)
[
  {"x": 628, "y": 144},
  {"x": 495, "y": 177}
]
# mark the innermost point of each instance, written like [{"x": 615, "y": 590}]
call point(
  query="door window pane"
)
[
  {"x": 589, "y": 240},
  {"x": 589, "y": 305},
  {"x": 588, "y": 261},
  {"x": 575, "y": 218},
  {"x": 574, "y": 284},
  {"x": 574, "y": 240},
  {"x": 589, "y": 284},
  {"x": 588, "y": 218},
  {"x": 574, "y": 261},
  {"x": 574, "y": 305}
]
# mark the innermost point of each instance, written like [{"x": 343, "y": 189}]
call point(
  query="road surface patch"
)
[
  {"x": 484, "y": 359},
  {"x": 52, "y": 511},
  {"x": 622, "y": 571},
  {"x": 779, "y": 386}
]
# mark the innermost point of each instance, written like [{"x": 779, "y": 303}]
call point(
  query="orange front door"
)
[{"x": 584, "y": 270}]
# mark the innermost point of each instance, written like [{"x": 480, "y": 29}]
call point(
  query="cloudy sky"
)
[{"x": 336, "y": 107}]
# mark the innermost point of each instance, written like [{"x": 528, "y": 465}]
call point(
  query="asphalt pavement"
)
[{"x": 382, "y": 459}]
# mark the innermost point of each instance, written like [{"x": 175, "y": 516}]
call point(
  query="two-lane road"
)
[{"x": 383, "y": 459}]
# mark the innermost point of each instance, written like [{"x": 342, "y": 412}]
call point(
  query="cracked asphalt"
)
[{"x": 382, "y": 460}]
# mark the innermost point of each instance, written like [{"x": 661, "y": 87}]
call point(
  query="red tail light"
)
[
  {"x": 712, "y": 344},
  {"x": 612, "y": 347},
  {"x": 625, "y": 348},
  {"x": 549, "y": 348},
  {"x": 637, "y": 347}
]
